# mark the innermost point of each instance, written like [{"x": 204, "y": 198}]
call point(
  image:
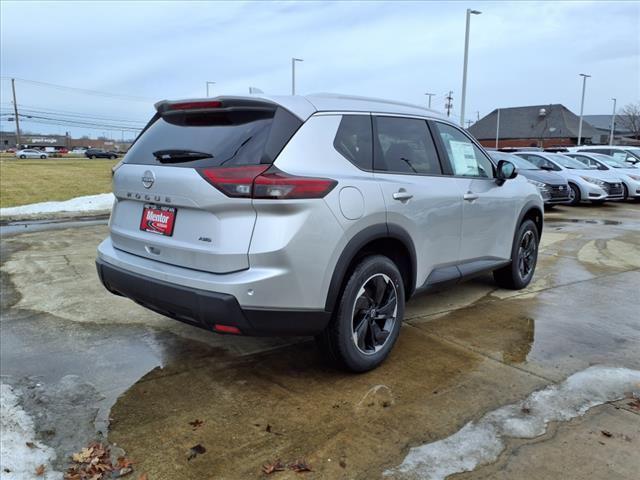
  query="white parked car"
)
[
  {"x": 629, "y": 174},
  {"x": 586, "y": 183},
  {"x": 78, "y": 151},
  {"x": 623, "y": 153},
  {"x": 31, "y": 153}
]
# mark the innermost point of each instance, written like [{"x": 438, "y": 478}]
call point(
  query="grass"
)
[{"x": 34, "y": 180}]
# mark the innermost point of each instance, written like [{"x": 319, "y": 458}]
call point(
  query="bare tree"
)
[{"x": 630, "y": 119}]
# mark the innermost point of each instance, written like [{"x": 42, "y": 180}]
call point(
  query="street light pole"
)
[
  {"x": 430, "y": 95},
  {"x": 613, "y": 122},
  {"x": 466, "y": 59},
  {"x": 209, "y": 83},
  {"x": 293, "y": 73},
  {"x": 584, "y": 86},
  {"x": 497, "y": 128},
  {"x": 15, "y": 110}
]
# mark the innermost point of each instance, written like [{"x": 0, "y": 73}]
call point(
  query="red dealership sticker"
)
[{"x": 158, "y": 220}]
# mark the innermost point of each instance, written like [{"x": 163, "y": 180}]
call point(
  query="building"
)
[
  {"x": 59, "y": 142},
  {"x": 534, "y": 126},
  {"x": 622, "y": 134}
]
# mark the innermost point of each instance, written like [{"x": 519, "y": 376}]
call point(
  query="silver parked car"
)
[
  {"x": 31, "y": 153},
  {"x": 623, "y": 153},
  {"x": 629, "y": 174},
  {"x": 318, "y": 215},
  {"x": 586, "y": 183}
]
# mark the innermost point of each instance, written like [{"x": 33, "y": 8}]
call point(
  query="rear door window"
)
[
  {"x": 225, "y": 138},
  {"x": 353, "y": 140},
  {"x": 405, "y": 145}
]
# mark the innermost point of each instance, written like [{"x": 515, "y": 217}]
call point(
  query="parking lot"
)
[{"x": 91, "y": 365}]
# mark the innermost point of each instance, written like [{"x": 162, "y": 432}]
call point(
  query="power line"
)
[
  {"x": 81, "y": 90},
  {"x": 68, "y": 113},
  {"x": 75, "y": 123}
]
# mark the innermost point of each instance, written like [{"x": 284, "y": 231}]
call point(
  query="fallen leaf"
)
[
  {"x": 125, "y": 471},
  {"x": 143, "y": 476},
  {"x": 635, "y": 404},
  {"x": 300, "y": 466},
  {"x": 196, "y": 423},
  {"x": 31, "y": 445},
  {"x": 271, "y": 467},
  {"x": 124, "y": 462},
  {"x": 40, "y": 470},
  {"x": 526, "y": 410},
  {"x": 606, "y": 434},
  {"x": 342, "y": 463},
  {"x": 268, "y": 429},
  {"x": 195, "y": 451}
]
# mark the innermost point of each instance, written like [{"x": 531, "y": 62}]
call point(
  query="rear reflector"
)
[
  {"x": 226, "y": 329},
  {"x": 194, "y": 105},
  {"x": 264, "y": 182}
]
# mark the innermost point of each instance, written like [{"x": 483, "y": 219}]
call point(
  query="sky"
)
[{"x": 521, "y": 53}]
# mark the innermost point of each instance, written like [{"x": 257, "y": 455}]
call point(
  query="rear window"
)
[
  {"x": 354, "y": 140},
  {"x": 231, "y": 138}
]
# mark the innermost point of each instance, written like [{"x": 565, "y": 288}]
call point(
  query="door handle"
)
[
  {"x": 402, "y": 195},
  {"x": 470, "y": 196}
]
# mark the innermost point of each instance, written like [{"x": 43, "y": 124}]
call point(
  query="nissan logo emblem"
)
[{"x": 148, "y": 178}]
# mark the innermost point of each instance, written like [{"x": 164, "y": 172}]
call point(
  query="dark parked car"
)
[
  {"x": 552, "y": 187},
  {"x": 100, "y": 153}
]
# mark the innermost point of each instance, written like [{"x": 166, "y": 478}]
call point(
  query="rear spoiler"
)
[{"x": 218, "y": 104}]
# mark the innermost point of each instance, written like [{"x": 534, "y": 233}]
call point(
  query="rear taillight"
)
[
  {"x": 262, "y": 182},
  {"x": 234, "y": 182},
  {"x": 279, "y": 185}
]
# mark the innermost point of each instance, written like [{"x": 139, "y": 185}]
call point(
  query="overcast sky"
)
[{"x": 521, "y": 53}]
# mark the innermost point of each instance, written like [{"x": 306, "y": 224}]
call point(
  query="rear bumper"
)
[{"x": 205, "y": 309}]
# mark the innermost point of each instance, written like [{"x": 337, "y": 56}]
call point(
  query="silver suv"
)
[{"x": 318, "y": 215}]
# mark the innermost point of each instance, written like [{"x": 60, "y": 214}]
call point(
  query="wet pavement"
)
[{"x": 87, "y": 361}]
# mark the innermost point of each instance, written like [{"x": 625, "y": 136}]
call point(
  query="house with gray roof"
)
[{"x": 533, "y": 126}]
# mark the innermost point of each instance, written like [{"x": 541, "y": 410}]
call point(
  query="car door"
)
[
  {"x": 489, "y": 210},
  {"x": 419, "y": 198}
]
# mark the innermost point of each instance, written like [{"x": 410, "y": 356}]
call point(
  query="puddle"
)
[{"x": 583, "y": 220}]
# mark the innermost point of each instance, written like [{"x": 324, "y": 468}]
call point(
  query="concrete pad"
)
[{"x": 602, "y": 444}]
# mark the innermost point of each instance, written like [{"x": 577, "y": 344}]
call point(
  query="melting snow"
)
[
  {"x": 17, "y": 459},
  {"x": 88, "y": 203},
  {"x": 481, "y": 442}
]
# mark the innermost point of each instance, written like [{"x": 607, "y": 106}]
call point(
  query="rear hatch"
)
[{"x": 183, "y": 188}]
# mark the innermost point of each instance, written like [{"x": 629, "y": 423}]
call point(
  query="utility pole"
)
[
  {"x": 584, "y": 87},
  {"x": 449, "y": 104},
  {"x": 497, "y": 128},
  {"x": 15, "y": 111},
  {"x": 209, "y": 83},
  {"x": 613, "y": 122},
  {"x": 293, "y": 73},
  {"x": 429, "y": 95},
  {"x": 477, "y": 116},
  {"x": 466, "y": 60},
  {"x": 469, "y": 122}
]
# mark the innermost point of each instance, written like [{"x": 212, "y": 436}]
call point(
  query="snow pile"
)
[
  {"x": 88, "y": 203},
  {"x": 481, "y": 442},
  {"x": 20, "y": 453}
]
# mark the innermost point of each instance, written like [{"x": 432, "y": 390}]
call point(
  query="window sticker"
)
[{"x": 464, "y": 158}]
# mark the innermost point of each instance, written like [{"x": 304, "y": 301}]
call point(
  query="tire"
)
[
  {"x": 375, "y": 282},
  {"x": 23, "y": 156},
  {"x": 43, "y": 157},
  {"x": 574, "y": 196},
  {"x": 524, "y": 256},
  {"x": 112, "y": 157},
  {"x": 92, "y": 157},
  {"x": 625, "y": 192}
]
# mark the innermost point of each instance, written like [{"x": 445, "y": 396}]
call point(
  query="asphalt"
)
[{"x": 91, "y": 365}]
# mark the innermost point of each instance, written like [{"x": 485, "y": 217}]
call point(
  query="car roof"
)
[{"x": 303, "y": 106}]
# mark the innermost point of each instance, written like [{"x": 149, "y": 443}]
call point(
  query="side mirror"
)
[{"x": 506, "y": 171}]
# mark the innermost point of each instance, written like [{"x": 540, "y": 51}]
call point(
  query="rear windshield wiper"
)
[{"x": 178, "y": 155}]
